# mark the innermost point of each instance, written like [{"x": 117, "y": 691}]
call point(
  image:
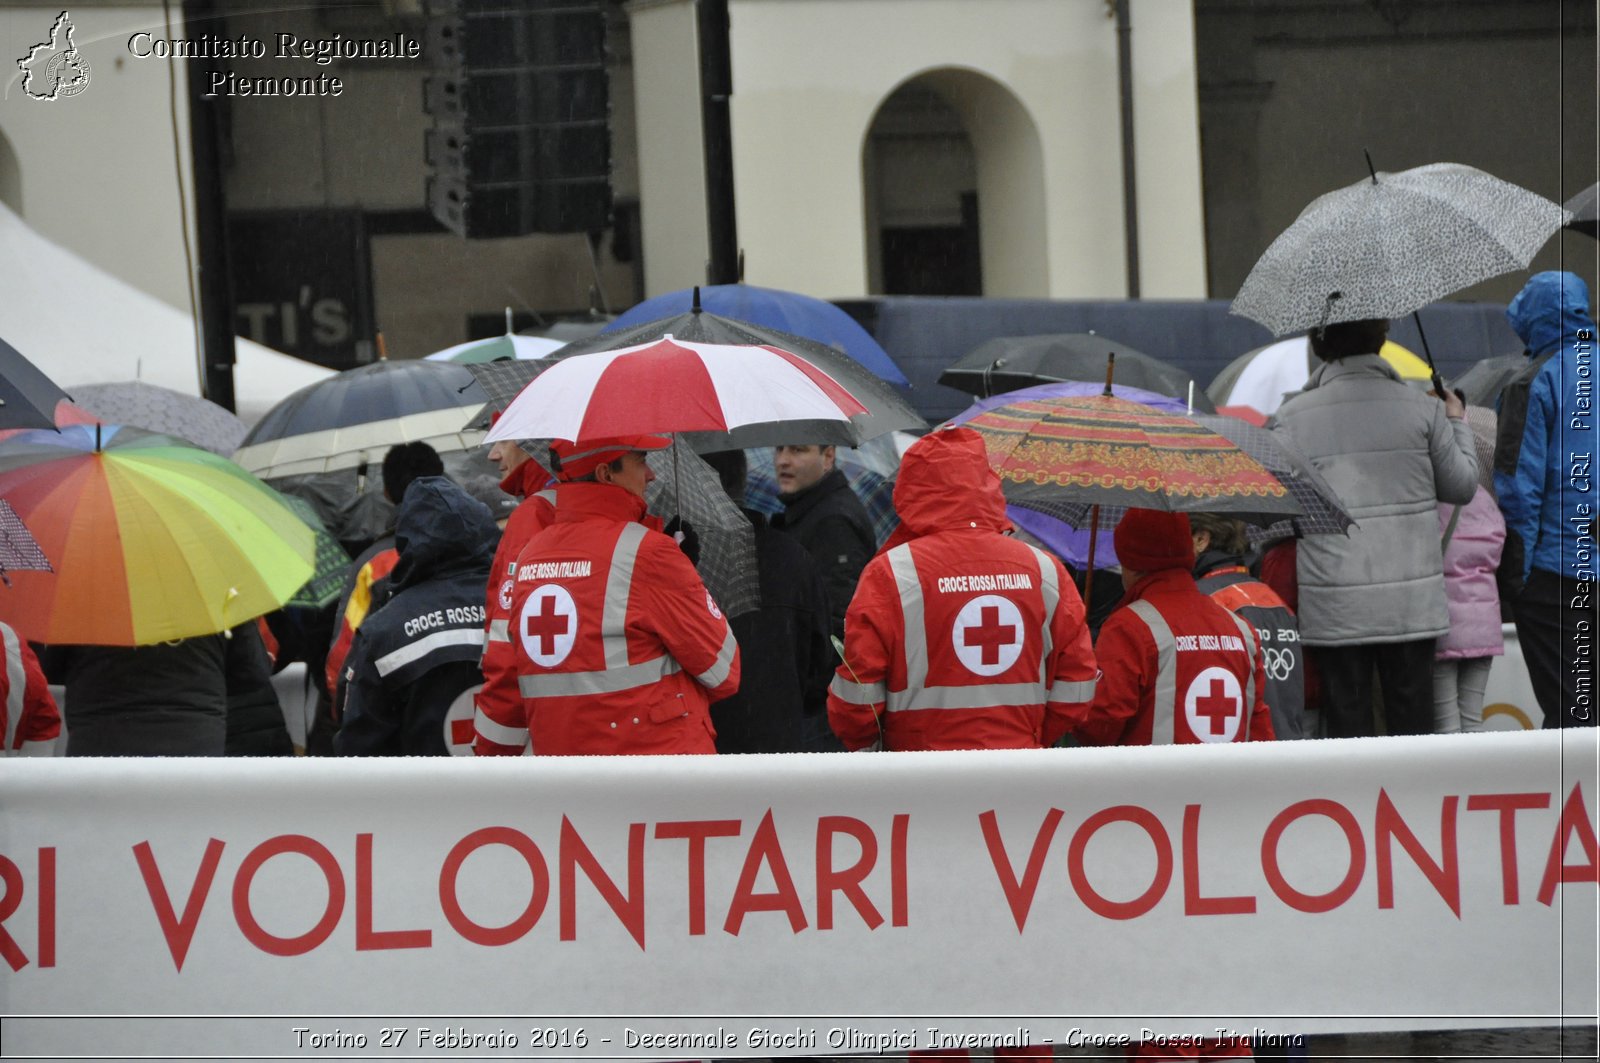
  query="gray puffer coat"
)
[{"x": 1392, "y": 455}]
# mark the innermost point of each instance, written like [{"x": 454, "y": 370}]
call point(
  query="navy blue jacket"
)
[{"x": 418, "y": 654}]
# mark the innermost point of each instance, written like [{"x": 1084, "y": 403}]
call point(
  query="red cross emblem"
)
[
  {"x": 1214, "y": 705},
  {"x": 987, "y": 635},
  {"x": 545, "y": 625},
  {"x": 548, "y": 624},
  {"x": 460, "y": 730},
  {"x": 990, "y": 634}
]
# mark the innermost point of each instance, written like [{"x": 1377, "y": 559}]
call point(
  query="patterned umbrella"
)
[
  {"x": 332, "y": 563},
  {"x": 1066, "y": 456},
  {"x": 158, "y": 409},
  {"x": 1385, "y": 247},
  {"x": 153, "y": 539},
  {"x": 19, "y": 550}
]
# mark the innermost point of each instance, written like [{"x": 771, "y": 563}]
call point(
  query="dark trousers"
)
[
  {"x": 1556, "y": 621},
  {"x": 1405, "y": 674}
]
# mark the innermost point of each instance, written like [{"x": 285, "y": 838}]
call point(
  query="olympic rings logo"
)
[{"x": 1279, "y": 664}]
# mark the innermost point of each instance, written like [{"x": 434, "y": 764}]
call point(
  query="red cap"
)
[
  {"x": 580, "y": 459},
  {"x": 1149, "y": 540}
]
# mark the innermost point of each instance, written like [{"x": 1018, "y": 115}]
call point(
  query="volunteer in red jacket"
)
[
  {"x": 29, "y": 719},
  {"x": 620, "y": 648},
  {"x": 959, "y": 636},
  {"x": 1179, "y": 668},
  {"x": 499, "y": 699}
]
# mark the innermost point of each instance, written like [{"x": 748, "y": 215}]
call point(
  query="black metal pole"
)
[
  {"x": 210, "y": 214},
  {"x": 716, "y": 89},
  {"x": 1130, "y": 196}
]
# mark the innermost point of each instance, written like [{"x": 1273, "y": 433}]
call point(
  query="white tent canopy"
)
[{"x": 81, "y": 325}]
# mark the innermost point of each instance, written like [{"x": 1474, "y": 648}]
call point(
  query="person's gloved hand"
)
[{"x": 689, "y": 542}]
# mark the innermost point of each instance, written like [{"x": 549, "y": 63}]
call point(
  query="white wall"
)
[
  {"x": 672, "y": 191},
  {"x": 1166, "y": 135},
  {"x": 97, "y": 172},
  {"x": 808, "y": 75}
]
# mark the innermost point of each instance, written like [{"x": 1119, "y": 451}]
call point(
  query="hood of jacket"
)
[
  {"x": 1552, "y": 305},
  {"x": 440, "y": 529},
  {"x": 945, "y": 483},
  {"x": 526, "y": 479}
]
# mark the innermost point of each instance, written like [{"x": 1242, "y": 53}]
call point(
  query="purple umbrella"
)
[{"x": 1062, "y": 539}]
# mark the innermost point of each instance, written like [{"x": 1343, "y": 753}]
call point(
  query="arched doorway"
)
[{"x": 952, "y": 174}]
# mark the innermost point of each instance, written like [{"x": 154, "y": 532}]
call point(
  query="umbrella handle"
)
[
  {"x": 1438, "y": 381},
  {"x": 1088, "y": 576}
]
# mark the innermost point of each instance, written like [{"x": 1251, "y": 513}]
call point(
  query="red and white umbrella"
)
[{"x": 671, "y": 385}]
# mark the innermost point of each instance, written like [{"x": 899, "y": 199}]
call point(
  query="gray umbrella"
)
[
  {"x": 1386, "y": 246},
  {"x": 1583, "y": 208},
  {"x": 1483, "y": 383},
  {"x": 1007, "y": 363},
  {"x": 158, "y": 409}
]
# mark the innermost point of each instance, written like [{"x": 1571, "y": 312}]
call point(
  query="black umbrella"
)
[
  {"x": 326, "y": 442},
  {"x": 1007, "y": 363},
  {"x": 355, "y": 417},
  {"x": 27, "y": 397},
  {"x": 888, "y": 411},
  {"x": 1582, "y": 206}
]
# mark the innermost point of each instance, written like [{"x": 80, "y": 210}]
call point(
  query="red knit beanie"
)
[{"x": 1149, "y": 540}]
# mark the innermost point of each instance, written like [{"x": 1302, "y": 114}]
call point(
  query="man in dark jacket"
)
[
  {"x": 786, "y": 658},
  {"x": 165, "y": 700},
  {"x": 413, "y": 666},
  {"x": 1219, "y": 570},
  {"x": 823, "y": 512}
]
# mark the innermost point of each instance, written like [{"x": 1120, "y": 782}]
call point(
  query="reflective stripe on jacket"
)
[
  {"x": 1178, "y": 668},
  {"x": 619, "y": 647},
  {"x": 499, "y": 703},
  {"x": 962, "y": 637},
  {"x": 28, "y": 714}
]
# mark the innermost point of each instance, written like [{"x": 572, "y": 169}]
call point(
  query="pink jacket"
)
[{"x": 1470, "y": 562}]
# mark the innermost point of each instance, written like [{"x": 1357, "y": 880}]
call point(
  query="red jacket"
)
[
  {"x": 619, "y": 646},
  {"x": 29, "y": 720},
  {"x": 499, "y": 702},
  {"x": 1179, "y": 668},
  {"x": 960, "y": 636}
]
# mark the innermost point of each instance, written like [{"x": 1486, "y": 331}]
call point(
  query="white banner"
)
[{"x": 669, "y": 907}]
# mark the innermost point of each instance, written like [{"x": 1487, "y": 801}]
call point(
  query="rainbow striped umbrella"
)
[{"x": 152, "y": 539}]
